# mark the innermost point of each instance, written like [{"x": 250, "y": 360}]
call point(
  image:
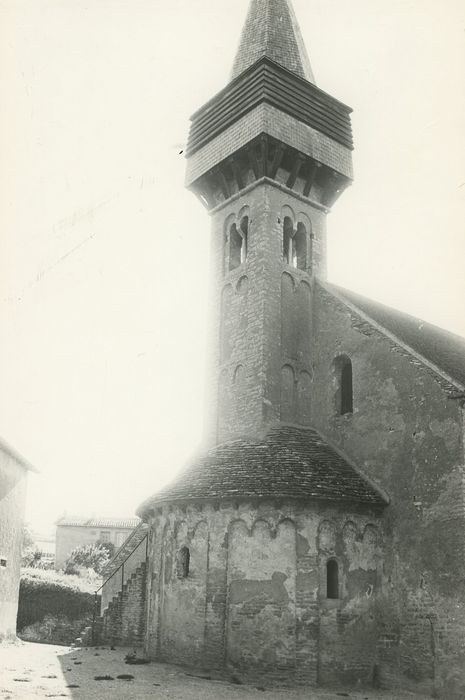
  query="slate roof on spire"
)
[{"x": 271, "y": 30}]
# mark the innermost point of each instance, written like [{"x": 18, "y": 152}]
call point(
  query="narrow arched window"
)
[
  {"x": 244, "y": 232},
  {"x": 332, "y": 579},
  {"x": 294, "y": 244},
  {"x": 347, "y": 399},
  {"x": 288, "y": 232},
  {"x": 299, "y": 248},
  {"x": 182, "y": 562},
  {"x": 344, "y": 385},
  {"x": 235, "y": 247},
  {"x": 237, "y": 243}
]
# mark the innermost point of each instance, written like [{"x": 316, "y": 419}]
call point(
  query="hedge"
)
[{"x": 43, "y": 593}]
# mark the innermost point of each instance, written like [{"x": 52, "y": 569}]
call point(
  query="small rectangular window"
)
[
  {"x": 3, "y": 562},
  {"x": 332, "y": 579}
]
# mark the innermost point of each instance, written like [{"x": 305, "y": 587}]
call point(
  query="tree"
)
[
  {"x": 30, "y": 555},
  {"x": 109, "y": 546},
  {"x": 89, "y": 556},
  {"x": 27, "y": 541}
]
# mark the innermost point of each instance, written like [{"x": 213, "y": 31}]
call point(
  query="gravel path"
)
[{"x": 41, "y": 671}]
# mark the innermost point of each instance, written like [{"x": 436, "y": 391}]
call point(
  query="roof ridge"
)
[
  {"x": 344, "y": 290},
  {"x": 344, "y": 456},
  {"x": 338, "y": 293}
]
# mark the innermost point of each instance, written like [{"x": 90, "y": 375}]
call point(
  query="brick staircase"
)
[
  {"x": 122, "y": 603},
  {"x": 123, "y": 621}
]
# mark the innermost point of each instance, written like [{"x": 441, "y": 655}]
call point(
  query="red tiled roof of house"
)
[{"x": 119, "y": 523}]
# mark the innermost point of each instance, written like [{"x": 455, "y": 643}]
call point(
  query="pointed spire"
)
[{"x": 271, "y": 30}]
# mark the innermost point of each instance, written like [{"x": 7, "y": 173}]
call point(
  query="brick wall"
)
[
  {"x": 123, "y": 621},
  {"x": 254, "y": 604}
]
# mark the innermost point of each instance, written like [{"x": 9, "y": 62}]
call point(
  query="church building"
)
[{"x": 320, "y": 537}]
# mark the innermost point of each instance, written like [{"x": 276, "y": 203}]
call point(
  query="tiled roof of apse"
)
[
  {"x": 440, "y": 347},
  {"x": 288, "y": 462}
]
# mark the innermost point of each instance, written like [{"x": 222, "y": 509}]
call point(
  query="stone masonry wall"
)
[
  {"x": 254, "y": 334},
  {"x": 406, "y": 434},
  {"x": 254, "y": 604}
]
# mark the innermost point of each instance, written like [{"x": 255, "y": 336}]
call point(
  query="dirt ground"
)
[{"x": 30, "y": 670}]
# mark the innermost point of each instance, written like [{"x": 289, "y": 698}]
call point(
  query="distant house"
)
[
  {"x": 45, "y": 544},
  {"x": 13, "y": 474},
  {"x": 75, "y": 532}
]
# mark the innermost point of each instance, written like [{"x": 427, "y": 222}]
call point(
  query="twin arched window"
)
[
  {"x": 294, "y": 244},
  {"x": 295, "y": 247}
]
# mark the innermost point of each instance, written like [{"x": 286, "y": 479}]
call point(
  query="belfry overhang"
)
[
  {"x": 271, "y": 122},
  {"x": 267, "y": 81}
]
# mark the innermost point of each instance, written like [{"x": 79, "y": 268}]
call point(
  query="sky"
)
[{"x": 104, "y": 255}]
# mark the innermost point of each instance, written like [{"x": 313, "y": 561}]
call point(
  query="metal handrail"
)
[
  {"x": 123, "y": 563},
  {"x": 131, "y": 536}
]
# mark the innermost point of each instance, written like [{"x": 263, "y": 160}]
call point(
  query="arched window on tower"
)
[
  {"x": 332, "y": 579},
  {"x": 299, "y": 248},
  {"x": 238, "y": 243},
  {"x": 294, "y": 244},
  {"x": 288, "y": 232},
  {"x": 344, "y": 378},
  {"x": 244, "y": 232}
]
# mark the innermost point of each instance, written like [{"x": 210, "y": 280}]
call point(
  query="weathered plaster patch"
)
[
  {"x": 303, "y": 546},
  {"x": 272, "y": 591},
  {"x": 361, "y": 581},
  {"x": 452, "y": 494},
  {"x": 448, "y": 430}
]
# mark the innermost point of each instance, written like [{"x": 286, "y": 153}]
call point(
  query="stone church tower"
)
[
  {"x": 320, "y": 538},
  {"x": 268, "y": 156}
]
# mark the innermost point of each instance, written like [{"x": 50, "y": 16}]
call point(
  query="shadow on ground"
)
[{"x": 29, "y": 670}]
